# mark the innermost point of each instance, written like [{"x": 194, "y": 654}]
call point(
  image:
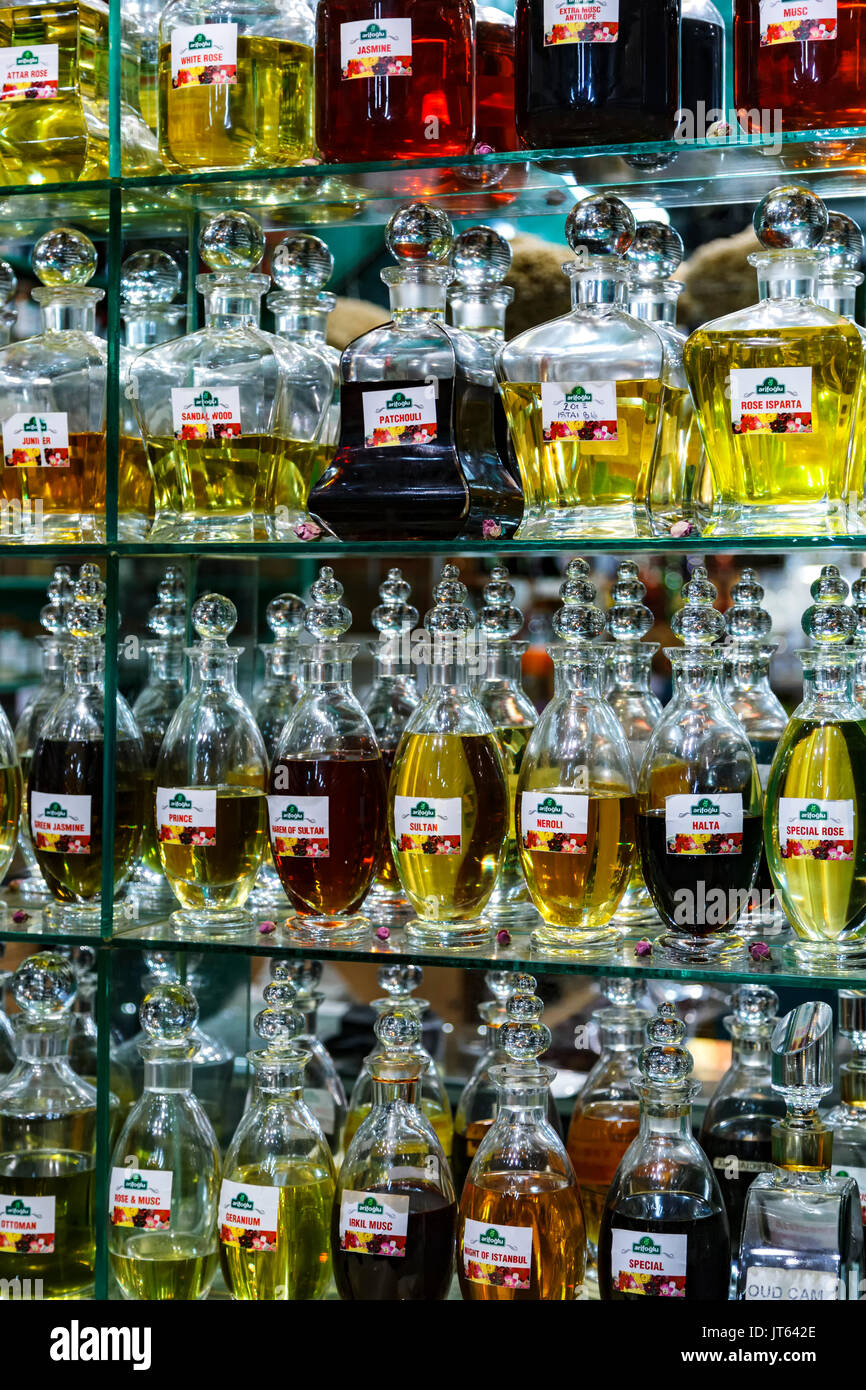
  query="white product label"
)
[
  {"x": 374, "y": 1223},
  {"x": 497, "y": 1254},
  {"x": 299, "y": 826},
  {"x": 774, "y": 400},
  {"x": 406, "y": 415},
  {"x": 321, "y": 1102},
  {"x": 29, "y": 71},
  {"x": 589, "y": 23},
  {"x": 38, "y": 440},
  {"x": 696, "y": 824},
  {"x": 554, "y": 822},
  {"x": 815, "y": 829},
  {"x": 423, "y": 826},
  {"x": 199, "y": 413},
  {"x": 653, "y": 1263},
  {"x": 583, "y": 410},
  {"x": 859, "y": 1176},
  {"x": 27, "y": 1225},
  {"x": 802, "y": 22},
  {"x": 60, "y": 823},
  {"x": 204, "y": 55},
  {"x": 769, "y": 1284},
  {"x": 186, "y": 816},
  {"x": 140, "y": 1197},
  {"x": 248, "y": 1215},
  {"x": 376, "y": 48}
]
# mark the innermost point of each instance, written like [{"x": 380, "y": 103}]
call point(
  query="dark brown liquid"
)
[
  {"x": 703, "y": 66},
  {"x": 422, "y": 1273},
  {"x": 704, "y": 911},
  {"x": 708, "y": 1266},
  {"x": 740, "y": 1140}
]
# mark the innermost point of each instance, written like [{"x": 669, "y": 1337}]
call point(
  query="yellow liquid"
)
[
  {"x": 583, "y": 891},
  {"x": 134, "y": 483},
  {"x": 221, "y": 875},
  {"x": 676, "y": 466},
  {"x": 300, "y": 1267},
  {"x": 207, "y": 478},
  {"x": 67, "y": 1176},
  {"x": 263, "y": 120},
  {"x": 155, "y": 1265},
  {"x": 440, "y": 1121},
  {"x": 294, "y": 466},
  {"x": 11, "y": 793}
]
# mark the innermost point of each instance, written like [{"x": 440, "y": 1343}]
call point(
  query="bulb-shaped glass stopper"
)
[
  {"x": 481, "y": 258},
  {"x": 698, "y": 623},
  {"x": 231, "y": 241},
  {"x": 61, "y": 592},
  {"x": 214, "y": 618},
  {"x": 305, "y": 975},
  {"x": 620, "y": 990},
  {"x": 790, "y": 218},
  {"x": 149, "y": 277},
  {"x": 600, "y": 225},
  {"x": 524, "y": 1037},
  {"x": 500, "y": 619},
  {"x": 284, "y": 616},
  {"x": 842, "y": 243},
  {"x": 858, "y": 600},
  {"x": 579, "y": 621},
  {"x": 168, "y": 1016},
  {"x": 628, "y": 619},
  {"x": 8, "y": 283},
  {"x": 450, "y": 614},
  {"x": 86, "y": 618},
  {"x": 64, "y": 258},
  {"x": 829, "y": 622},
  {"x": 753, "y": 1011},
  {"x": 326, "y": 618},
  {"x": 44, "y": 987},
  {"x": 280, "y": 1022},
  {"x": 167, "y": 618},
  {"x": 301, "y": 265},
  {"x": 654, "y": 253},
  {"x": 399, "y": 1056},
  {"x": 395, "y": 614},
  {"x": 419, "y": 234}
]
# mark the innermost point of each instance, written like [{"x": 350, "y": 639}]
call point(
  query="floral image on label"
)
[
  {"x": 554, "y": 824},
  {"x": 587, "y": 23},
  {"x": 431, "y": 826},
  {"x": 29, "y": 73},
  {"x": 199, "y": 413},
  {"x": 60, "y": 823},
  {"x": 204, "y": 55},
  {"x": 27, "y": 1225},
  {"x": 299, "y": 826},
  {"x": 497, "y": 1254},
  {"x": 374, "y": 1223},
  {"x": 859, "y": 1176},
  {"x": 807, "y": 21},
  {"x": 711, "y": 824},
  {"x": 140, "y": 1197},
  {"x": 775, "y": 1284},
  {"x": 815, "y": 829},
  {"x": 186, "y": 816},
  {"x": 38, "y": 440},
  {"x": 248, "y": 1215},
  {"x": 374, "y": 48},
  {"x": 652, "y": 1264},
  {"x": 406, "y": 416},
  {"x": 582, "y": 410},
  {"x": 771, "y": 402}
]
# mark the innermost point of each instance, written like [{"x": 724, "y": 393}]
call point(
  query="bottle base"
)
[
  {"x": 454, "y": 936},
  {"x": 74, "y": 917},
  {"x": 697, "y": 950},
  {"x": 387, "y": 905},
  {"x": 628, "y": 522},
  {"x": 571, "y": 941},
  {"x": 820, "y": 518},
  {"x": 211, "y": 924},
  {"x": 192, "y": 528},
  {"x": 829, "y": 955},
  {"x": 322, "y": 931}
]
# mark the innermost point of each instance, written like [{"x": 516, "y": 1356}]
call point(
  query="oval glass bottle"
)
[{"x": 272, "y": 707}]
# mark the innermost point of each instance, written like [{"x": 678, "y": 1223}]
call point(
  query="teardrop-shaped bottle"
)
[
  {"x": 272, "y": 706},
  {"x": 324, "y": 1091}
]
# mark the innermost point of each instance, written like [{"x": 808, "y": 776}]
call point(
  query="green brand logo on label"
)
[
  {"x": 27, "y": 57},
  {"x": 645, "y": 1246},
  {"x": 34, "y": 424},
  {"x": 705, "y": 807},
  {"x": 205, "y": 400},
  {"x": 770, "y": 387},
  {"x": 242, "y": 1203},
  {"x": 370, "y": 1207},
  {"x": 549, "y": 807},
  {"x": 577, "y": 393},
  {"x": 200, "y": 41},
  {"x": 17, "y": 1208},
  {"x": 422, "y": 809},
  {"x": 491, "y": 1237},
  {"x": 179, "y": 802},
  {"x": 136, "y": 1183},
  {"x": 812, "y": 812},
  {"x": 373, "y": 31},
  {"x": 399, "y": 402},
  {"x": 292, "y": 813},
  {"x": 55, "y": 809}
]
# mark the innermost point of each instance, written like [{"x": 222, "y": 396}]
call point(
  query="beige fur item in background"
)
[
  {"x": 718, "y": 279},
  {"x": 351, "y": 318}
]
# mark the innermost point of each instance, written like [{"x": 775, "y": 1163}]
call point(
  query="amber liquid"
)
[
  {"x": 68, "y": 495},
  {"x": 422, "y": 1272},
  {"x": 220, "y": 875},
  {"x": 666, "y": 875},
  {"x": 598, "y": 1136},
  {"x": 494, "y": 85},
  {"x": 388, "y": 875},
  {"x": 671, "y": 1213},
  {"x": 814, "y": 84},
  {"x": 10, "y": 813},
  {"x": 584, "y": 890},
  {"x": 550, "y": 1207},
  {"x": 465, "y": 1147}
]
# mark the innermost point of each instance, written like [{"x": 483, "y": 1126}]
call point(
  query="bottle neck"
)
[
  {"x": 417, "y": 290},
  {"x": 293, "y": 317},
  {"x": 786, "y": 274},
  {"x": 746, "y": 670},
  {"x": 281, "y": 663},
  {"x": 165, "y": 662},
  {"x": 85, "y": 665},
  {"x": 852, "y": 1082},
  {"x": 752, "y": 1053},
  {"x": 41, "y": 1041},
  {"x": 168, "y": 1073},
  {"x": 661, "y": 1113},
  {"x": 216, "y": 665},
  {"x": 67, "y": 310},
  {"x": 8, "y": 318},
  {"x": 695, "y": 671},
  {"x": 387, "y": 1092},
  {"x": 599, "y": 286},
  {"x": 53, "y": 660},
  {"x": 577, "y": 671},
  {"x": 232, "y": 301},
  {"x": 279, "y": 1076},
  {"x": 148, "y": 324},
  {"x": 328, "y": 663},
  {"x": 837, "y": 291},
  {"x": 827, "y": 676},
  {"x": 503, "y": 663},
  {"x": 629, "y": 666},
  {"x": 802, "y": 1143},
  {"x": 480, "y": 312},
  {"x": 656, "y": 303}
]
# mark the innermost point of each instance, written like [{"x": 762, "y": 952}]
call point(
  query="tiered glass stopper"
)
[
  {"x": 664, "y": 1063},
  {"x": 579, "y": 621},
  {"x": 500, "y": 619},
  {"x": 747, "y": 622},
  {"x": 829, "y": 622},
  {"x": 629, "y": 619},
  {"x": 698, "y": 623}
]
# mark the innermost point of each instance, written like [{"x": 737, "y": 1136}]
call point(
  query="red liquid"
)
[
  {"x": 494, "y": 86},
  {"x": 430, "y": 114},
  {"x": 814, "y": 84}
]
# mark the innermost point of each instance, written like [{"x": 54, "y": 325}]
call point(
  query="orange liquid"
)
[
  {"x": 550, "y": 1206},
  {"x": 597, "y": 1139}
]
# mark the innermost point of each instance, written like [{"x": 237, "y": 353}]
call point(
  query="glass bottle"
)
[
  {"x": 47, "y": 1141},
  {"x": 615, "y": 79},
  {"x": 664, "y": 1232},
  {"x": 814, "y": 815},
  {"x": 149, "y": 282},
  {"x": 838, "y": 281},
  {"x": 7, "y": 1033},
  {"x": 575, "y": 793},
  {"x": 278, "y": 1180},
  {"x": 165, "y": 1169},
  {"x": 520, "y": 1231},
  {"x": 606, "y": 1112},
  {"x": 448, "y": 794},
  {"x": 399, "y": 983},
  {"x": 272, "y": 708},
  {"x": 735, "y": 1134},
  {"x": 702, "y": 65},
  {"x": 65, "y": 786},
  {"x": 775, "y": 386},
  {"x": 210, "y": 781},
  {"x": 804, "y": 68},
  {"x": 699, "y": 796},
  {"x": 83, "y": 1045},
  {"x": 499, "y": 691},
  {"x": 628, "y": 693},
  {"x": 8, "y": 312},
  {"x": 327, "y": 785},
  {"x": 392, "y": 698},
  {"x": 394, "y": 81},
  {"x": 324, "y": 1092},
  {"x": 418, "y": 454},
  {"x": 582, "y": 392},
  {"x": 235, "y": 84},
  {"x": 494, "y": 79},
  {"x": 858, "y": 640},
  {"x": 52, "y": 400},
  {"x": 392, "y": 1234},
  {"x": 802, "y": 1230},
  {"x": 848, "y": 1119},
  {"x": 476, "y": 1107}
]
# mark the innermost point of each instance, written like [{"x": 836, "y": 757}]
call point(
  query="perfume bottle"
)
[
  {"x": 164, "y": 1183},
  {"x": 392, "y": 698},
  {"x": 802, "y": 64},
  {"x": 397, "y": 84},
  {"x": 615, "y": 77},
  {"x": 775, "y": 386},
  {"x": 735, "y": 1134},
  {"x": 235, "y": 84},
  {"x": 327, "y": 785},
  {"x": 476, "y": 1107},
  {"x": 838, "y": 280},
  {"x": 575, "y": 793},
  {"x": 83, "y": 1041},
  {"x": 448, "y": 793},
  {"x": 802, "y": 1230},
  {"x": 209, "y": 783},
  {"x": 858, "y": 640},
  {"x": 814, "y": 807},
  {"x": 848, "y": 1118},
  {"x": 392, "y": 1234},
  {"x": 664, "y": 1232},
  {"x": 65, "y": 786},
  {"x": 272, "y": 707},
  {"x": 149, "y": 283},
  {"x": 582, "y": 393},
  {"x": 278, "y": 1180},
  {"x": 52, "y": 400},
  {"x": 699, "y": 795},
  {"x": 47, "y": 1141},
  {"x": 8, "y": 291},
  {"x": 494, "y": 79},
  {"x": 324, "y": 1092},
  {"x": 520, "y": 1231},
  {"x": 702, "y": 66},
  {"x": 606, "y": 1113}
]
